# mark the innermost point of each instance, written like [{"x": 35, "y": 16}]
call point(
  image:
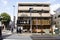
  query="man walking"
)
[{"x": 12, "y": 26}]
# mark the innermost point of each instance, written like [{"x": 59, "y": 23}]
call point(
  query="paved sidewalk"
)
[
  {"x": 7, "y": 35},
  {"x": 6, "y": 32},
  {"x": 17, "y": 37}
]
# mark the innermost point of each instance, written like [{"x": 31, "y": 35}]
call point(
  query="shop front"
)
[{"x": 39, "y": 25}]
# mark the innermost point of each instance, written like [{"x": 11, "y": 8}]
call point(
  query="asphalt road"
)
[
  {"x": 16, "y": 37},
  {"x": 32, "y": 37},
  {"x": 45, "y": 37}
]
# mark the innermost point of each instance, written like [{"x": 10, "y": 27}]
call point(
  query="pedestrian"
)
[
  {"x": 17, "y": 29},
  {"x": 12, "y": 26},
  {"x": 21, "y": 29},
  {"x": 12, "y": 30}
]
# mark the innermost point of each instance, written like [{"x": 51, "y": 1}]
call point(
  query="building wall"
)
[
  {"x": 40, "y": 13},
  {"x": 46, "y": 8},
  {"x": 34, "y": 8},
  {"x": 57, "y": 20},
  {"x": 35, "y": 14}
]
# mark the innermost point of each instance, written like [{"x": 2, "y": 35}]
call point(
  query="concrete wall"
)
[{"x": 34, "y": 8}]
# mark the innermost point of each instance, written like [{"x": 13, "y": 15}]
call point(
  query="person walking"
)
[
  {"x": 21, "y": 29},
  {"x": 12, "y": 26}
]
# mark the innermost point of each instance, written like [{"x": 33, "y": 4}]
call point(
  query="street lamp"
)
[
  {"x": 30, "y": 10},
  {"x": 13, "y": 9},
  {"x": 13, "y": 14}
]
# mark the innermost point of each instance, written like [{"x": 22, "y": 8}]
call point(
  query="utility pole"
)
[
  {"x": 41, "y": 21},
  {"x": 14, "y": 14},
  {"x": 30, "y": 10}
]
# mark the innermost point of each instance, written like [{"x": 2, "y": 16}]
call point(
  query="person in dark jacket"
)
[{"x": 20, "y": 30}]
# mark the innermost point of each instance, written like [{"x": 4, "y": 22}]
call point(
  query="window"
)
[
  {"x": 22, "y": 22},
  {"x": 25, "y": 5},
  {"x": 20, "y": 11},
  {"x": 33, "y": 11},
  {"x": 45, "y": 11},
  {"x": 58, "y": 16},
  {"x": 45, "y": 5}
]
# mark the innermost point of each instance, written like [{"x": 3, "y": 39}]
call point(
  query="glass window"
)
[
  {"x": 22, "y": 22},
  {"x": 45, "y": 5},
  {"x": 45, "y": 11},
  {"x": 19, "y": 11},
  {"x": 33, "y": 11}
]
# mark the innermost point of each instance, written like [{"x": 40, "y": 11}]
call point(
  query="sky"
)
[{"x": 7, "y": 6}]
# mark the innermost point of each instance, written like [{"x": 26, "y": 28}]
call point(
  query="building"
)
[
  {"x": 56, "y": 18},
  {"x": 34, "y": 17}
]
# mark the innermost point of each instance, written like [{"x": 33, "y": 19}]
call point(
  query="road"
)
[
  {"x": 45, "y": 37},
  {"x": 17, "y": 36},
  {"x": 7, "y": 35},
  {"x": 26, "y": 36}
]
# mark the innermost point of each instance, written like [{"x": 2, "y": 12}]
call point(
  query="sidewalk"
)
[
  {"x": 24, "y": 34},
  {"x": 7, "y": 35},
  {"x": 6, "y": 32}
]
